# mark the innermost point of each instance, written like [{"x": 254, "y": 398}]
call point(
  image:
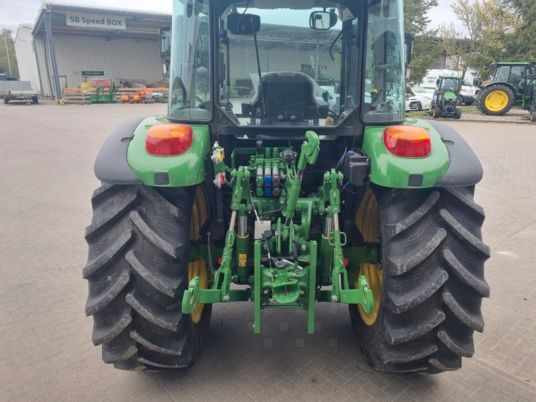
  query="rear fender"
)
[
  {"x": 452, "y": 162},
  {"x": 111, "y": 165},
  {"x": 124, "y": 160},
  {"x": 186, "y": 169},
  {"x": 464, "y": 168}
]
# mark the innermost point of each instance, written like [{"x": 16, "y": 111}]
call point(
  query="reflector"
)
[{"x": 407, "y": 141}]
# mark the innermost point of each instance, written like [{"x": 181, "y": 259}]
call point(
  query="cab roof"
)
[{"x": 513, "y": 63}]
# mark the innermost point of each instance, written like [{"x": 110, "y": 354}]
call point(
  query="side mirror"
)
[
  {"x": 409, "y": 40},
  {"x": 243, "y": 24},
  {"x": 323, "y": 20}
]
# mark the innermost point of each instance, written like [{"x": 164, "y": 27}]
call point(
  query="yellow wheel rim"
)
[
  {"x": 496, "y": 100},
  {"x": 374, "y": 276},
  {"x": 198, "y": 267},
  {"x": 367, "y": 220}
]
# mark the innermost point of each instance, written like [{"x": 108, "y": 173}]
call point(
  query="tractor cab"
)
[
  {"x": 263, "y": 65},
  {"x": 516, "y": 74}
]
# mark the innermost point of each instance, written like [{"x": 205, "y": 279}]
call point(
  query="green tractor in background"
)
[
  {"x": 105, "y": 95},
  {"x": 507, "y": 87},
  {"x": 446, "y": 98},
  {"x": 284, "y": 198}
]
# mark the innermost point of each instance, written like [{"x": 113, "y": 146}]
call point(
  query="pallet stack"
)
[{"x": 81, "y": 96}]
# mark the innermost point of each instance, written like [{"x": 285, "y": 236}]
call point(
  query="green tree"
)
[
  {"x": 7, "y": 54},
  {"x": 454, "y": 47},
  {"x": 522, "y": 44},
  {"x": 491, "y": 25},
  {"x": 417, "y": 21}
]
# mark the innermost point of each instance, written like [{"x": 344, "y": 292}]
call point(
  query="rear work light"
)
[
  {"x": 407, "y": 141},
  {"x": 169, "y": 139}
]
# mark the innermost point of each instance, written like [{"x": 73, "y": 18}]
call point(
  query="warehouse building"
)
[{"x": 74, "y": 44}]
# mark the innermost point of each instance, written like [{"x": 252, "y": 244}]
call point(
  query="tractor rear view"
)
[
  {"x": 287, "y": 197},
  {"x": 507, "y": 88},
  {"x": 446, "y": 95}
]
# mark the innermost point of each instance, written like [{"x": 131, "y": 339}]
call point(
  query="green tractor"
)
[
  {"x": 284, "y": 197},
  {"x": 105, "y": 95},
  {"x": 506, "y": 88},
  {"x": 446, "y": 98}
]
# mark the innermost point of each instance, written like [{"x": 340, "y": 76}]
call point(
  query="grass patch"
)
[
  {"x": 469, "y": 109},
  {"x": 418, "y": 115},
  {"x": 424, "y": 113}
]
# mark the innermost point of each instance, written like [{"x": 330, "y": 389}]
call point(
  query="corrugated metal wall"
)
[{"x": 124, "y": 58}]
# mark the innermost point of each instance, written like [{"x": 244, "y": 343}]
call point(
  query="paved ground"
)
[
  {"x": 471, "y": 114},
  {"x": 46, "y": 157},
  {"x": 515, "y": 115}
]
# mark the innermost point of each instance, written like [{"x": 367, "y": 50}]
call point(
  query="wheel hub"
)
[
  {"x": 496, "y": 100},
  {"x": 374, "y": 276}
]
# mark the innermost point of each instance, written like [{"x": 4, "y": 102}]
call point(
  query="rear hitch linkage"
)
[{"x": 279, "y": 281}]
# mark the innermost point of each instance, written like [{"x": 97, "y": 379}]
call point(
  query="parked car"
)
[
  {"x": 468, "y": 94},
  {"x": 418, "y": 98}
]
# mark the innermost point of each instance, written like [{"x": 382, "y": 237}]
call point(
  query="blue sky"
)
[{"x": 15, "y": 12}]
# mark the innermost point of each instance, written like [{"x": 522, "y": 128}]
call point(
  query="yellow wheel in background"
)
[
  {"x": 198, "y": 267},
  {"x": 367, "y": 221},
  {"x": 497, "y": 100}
]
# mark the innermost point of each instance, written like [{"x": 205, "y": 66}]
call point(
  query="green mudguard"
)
[
  {"x": 187, "y": 169},
  {"x": 389, "y": 170}
]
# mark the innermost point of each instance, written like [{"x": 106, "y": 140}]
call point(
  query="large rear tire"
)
[
  {"x": 138, "y": 268},
  {"x": 496, "y": 100},
  {"x": 431, "y": 280}
]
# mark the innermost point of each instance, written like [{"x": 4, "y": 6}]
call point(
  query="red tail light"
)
[
  {"x": 407, "y": 141},
  {"x": 169, "y": 139}
]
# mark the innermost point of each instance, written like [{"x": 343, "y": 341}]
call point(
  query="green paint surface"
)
[
  {"x": 187, "y": 169},
  {"x": 393, "y": 171},
  {"x": 449, "y": 95}
]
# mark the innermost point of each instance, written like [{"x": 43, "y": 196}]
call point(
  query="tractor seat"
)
[{"x": 289, "y": 98}]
